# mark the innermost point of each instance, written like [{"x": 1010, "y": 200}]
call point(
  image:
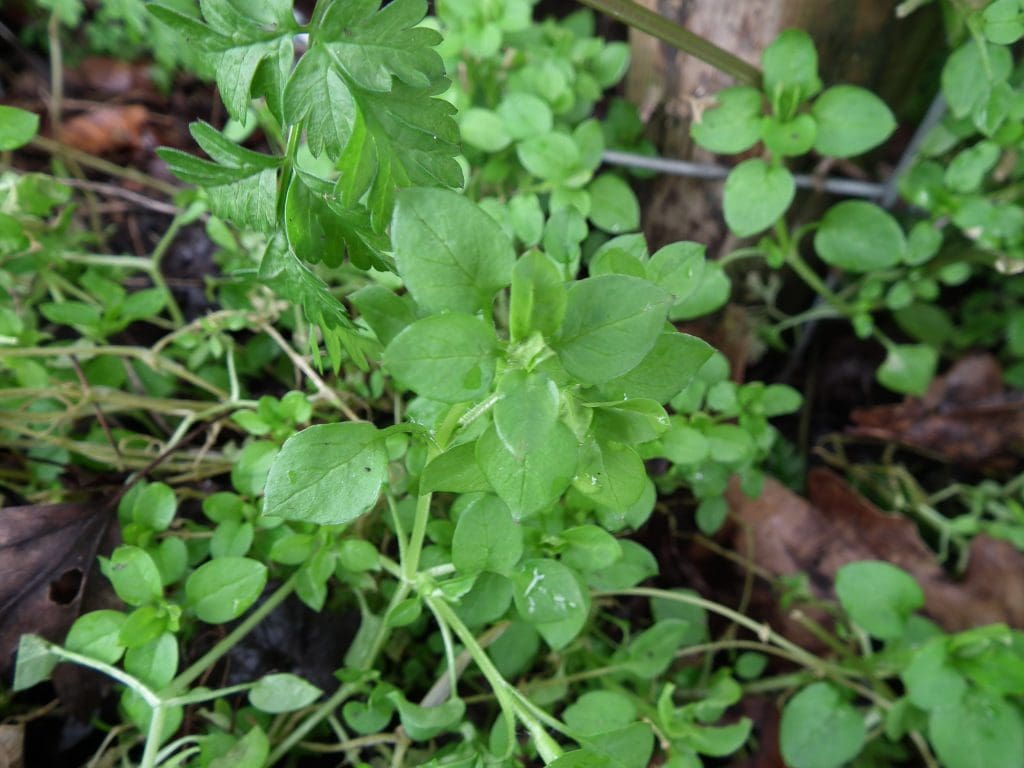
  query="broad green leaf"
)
[
  {"x": 96, "y": 634},
  {"x": 970, "y": 73},
  {"x": 665, "y": 370},
  {"x": 611, "y": 323},
  {"x": 789, "y": 138},
  {"x": 650, "y": 652},
  {"x": 133, "y": 574},
  {"x": 249, "y": 472},
  {"x": 143, "y": 625},
  {"x": 526, "y": 218},
  {"x": 878, "y": 596},
  {"x": 631, "y": 421},
  {"x": 529, "y": 483},
  {"x": 35, "y": 662},
  {"x": 967, "y": 170},
  {"x": 486, "y": 538},
  {"x": 327, "y": 474},
  {"x": 820, "y": 729},
  {"x": 486, "y": 602},
  {"x": 484, "y": 129},
  {"x": 383, "y": 310},
  {"x": 756, "y": 195},
  {"x": 908, "y": 368},
  {"x": 550, "y": 156},
  {"x": 611, "y": 474},
  {"x": 733, "y": 124},
  {"x": 860, "y": 237},
  {"x": 451, "y": 255},
  {"x": 154, "y": 507},
  {"x": 634, "y": 566},
  {"x": 851, "y": 120},
  {"x": 546, "y": 591},
  {"x": 628, "y": 747},
  {"x": 977, "y": 730},
  {"x": 525, "y": 115},
  {"x": 596, "y": 712},
  {"x": 1003, "y": 23},
  {"x": 282, "y": 692},
  {"x": 613, "y": 206},
  {"x": 154, "y": 663},
  {"x": 456, "y": 471},
  {"x": 448, "y": 357},
  {"x": 719, "y": 741},
  {"x": 589, "y": 548},
  {"x": 538, "y": 297},
  {"x": 527, "y": 411},
  {"x": 221, "y": 590},
  {"x": 17, "y": 127},
  {"x": 790, "y": 66},
  {"x": 250, "y": 751},
  {"x": 424, "y": 723},
  {"x": 930, "y": 678}
]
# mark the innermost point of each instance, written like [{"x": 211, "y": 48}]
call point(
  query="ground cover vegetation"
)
[{"x": 377, "y": 485}]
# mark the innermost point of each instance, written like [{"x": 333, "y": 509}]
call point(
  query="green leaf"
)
[
  {"x": 250, "y": 751},
  {"x": 789, "y": 138},
  {"x": 527, "y": 411},
  {"x": 970, "y": 73},
  {"x": 35, "y": 662},
  {"x": 316, "y": 93},
  {"x": 532, "y": 482},
  {"x": 596, "y": 712},
  {"x": 967, "y": 170},
  {"x": 611, "y": 474},
  {"x": 613, "y": 206},
  {"x": 664, "y": 372},
  {"x": 908, "y": 368},
  {"x": 448, "y": 357},
  {"x": 820, "y": 729},
  {"x": 154, "y": 507},
  {"x": 611, "y": 323},
  {"x": 484, "y": 129},
  {"x": 860, "y": 237},
  {"x": 424, "y": 723},
  {"x": 878, "y": 596},
  {"x": 589, "y": 548},
  {"x": 221, "y": 590},
  {"x": 651, "y": 652},
  {"x": 17, "y": 127},
  {"x": 628, "y": 747},
  {"x": 756, "y": 195},
  {"x": 96, "y": 634},
  {"x": 1002, "y": 22},
  {"x": 931, "y": 679},
  {"x": 456, "y": 471},
  {"x": 733, "y": 124},
  {"x": 538, "y": 297},
  {"x": 383, "y": 310},
  {"x": 154, "y": 663},
  {"x": 451, "y": 255},
  {"x": 977, "y": 730},
  {"x": 851, "y": 120},
  {"x": 133, "y": 574},
  {"x": 550, "y": 156},
  {"x": 236, "y": 41},
  {"x": 526, "y": 218},
  {"x": 720, "y": 741},
  {"x": 525, "y": 115},
  {"x": 327, "y": 474},
  {"x": 282, "y": 693},
  {"x": 486, "y": 538},
  {"x": 790, "y": 67},
  {"x": 546, "y": 591},
  {"x": 635, "y": 565}
]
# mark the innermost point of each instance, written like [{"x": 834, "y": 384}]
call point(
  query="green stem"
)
[
  {"x": 156, "y": 727},
  {"x": 182, "y": 681},
  {"x": 650, "y": 22}
]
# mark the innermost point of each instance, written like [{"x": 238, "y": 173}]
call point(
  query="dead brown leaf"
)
[
  {"x": 46, "y": 555},
  {"x": 12, "y": 746},
  {"x": 109, "y": 129},
  {"x": 967, "y": 416},
  {"x": 782, "y": 533}
]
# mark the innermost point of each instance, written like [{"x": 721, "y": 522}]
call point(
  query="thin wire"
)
[
  {"x": 845, "y": 187},
  {"x": 931, "y": 118}
]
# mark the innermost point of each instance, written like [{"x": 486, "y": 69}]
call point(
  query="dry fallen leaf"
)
[
  {"x": 782, "y": 533},
  {"x": 12, "y": 746},
  {"x": 46, "y": 555},
  {"x": 108, "y": 129},
  {"x": 966, "y": 417}
]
